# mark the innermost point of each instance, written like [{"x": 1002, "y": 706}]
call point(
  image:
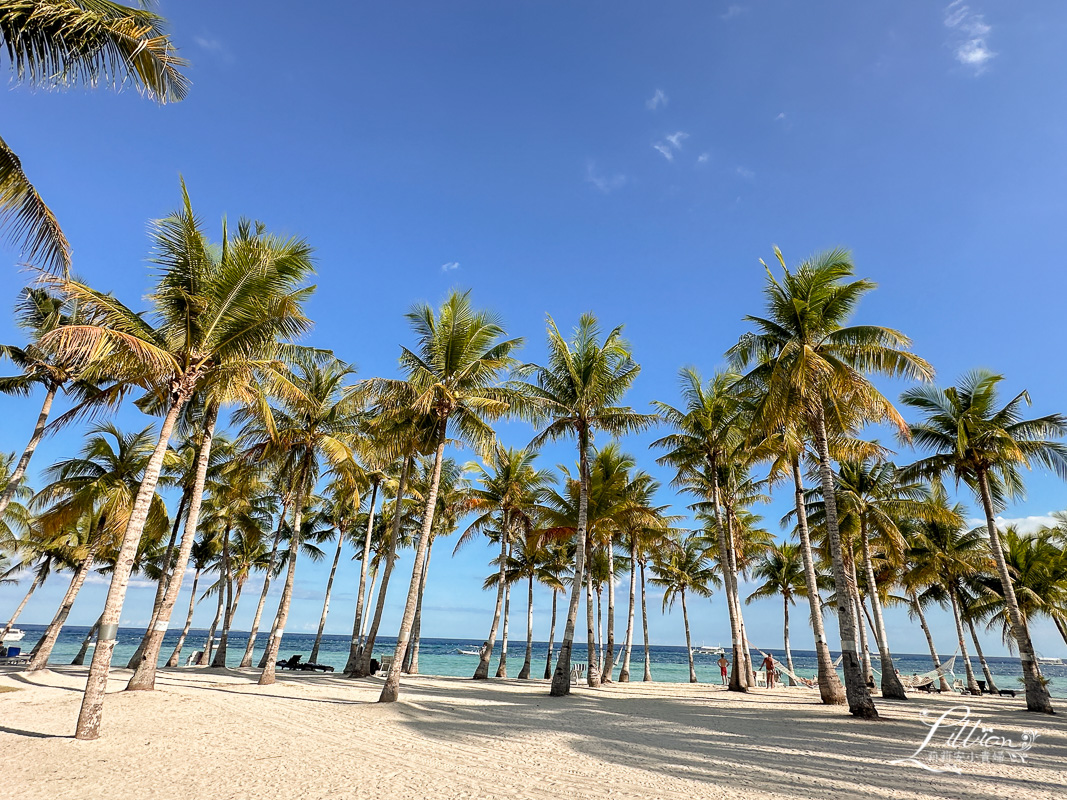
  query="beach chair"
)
[
  {"x": 577, "y": 673},
  {"x": 293, "y": 662},
  {"x": 1010, "y": 692},
  {"x": 194, "y": 659},
  {"x": 387, "y": 663}
]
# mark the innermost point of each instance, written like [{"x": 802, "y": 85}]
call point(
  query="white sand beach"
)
[{"x": 214, "y": 733}]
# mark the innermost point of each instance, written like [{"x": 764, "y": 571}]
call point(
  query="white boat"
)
[
  {"x": 715, "y": 651},
  {"x": 468, "y": 652},
  {"x": 14, "y": 635},
  {"x": 1051, "y": 662}
]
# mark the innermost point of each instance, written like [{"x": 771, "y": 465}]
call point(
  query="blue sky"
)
[{"x": 623, "y": 158}]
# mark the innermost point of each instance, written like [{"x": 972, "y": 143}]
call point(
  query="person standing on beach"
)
[
  {"x": 768, "y": 665},
  {"x": 724, "y": 666}
]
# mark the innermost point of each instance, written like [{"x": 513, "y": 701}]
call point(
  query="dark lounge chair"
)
[
  {"x": 292, "y": 663},
  {"x": 1007, "y": 691}
]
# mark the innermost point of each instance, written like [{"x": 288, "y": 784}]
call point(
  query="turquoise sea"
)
[{"x": 442, "y": 656}]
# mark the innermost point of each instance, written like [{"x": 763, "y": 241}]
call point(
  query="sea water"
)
[{"x": 669, "y": 664}]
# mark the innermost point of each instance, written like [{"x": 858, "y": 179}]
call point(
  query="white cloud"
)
[
  {"x": 657, "y": 100},
  {"x": 732, "y": 12},
  {"x": 450, "y": 266},
  {"x": 746, "y": 173},
  {"x": 605, "y": 183},
  {"x": 780, "y": 117},
  {"x": 703, "y": 158},
  {"x": 676, "y": 139},
  {"x": 663, "y": 150},
  {"x": 969, "y": 32},
  {"x": 1024, "y": 524}
]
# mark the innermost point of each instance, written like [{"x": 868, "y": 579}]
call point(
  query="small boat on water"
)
[
  {"x": 1051, "y": 662},
  {"x": 463, "y": 652},
  {"x": 14, "y": 635},
  {"x": 715, "y": 651}
]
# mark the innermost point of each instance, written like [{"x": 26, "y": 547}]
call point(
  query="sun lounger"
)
[
  {"x": 293, "y": 662},
  {"x": 387, "y": 663},
  {"x": 1010, "y": 692},
  {"x": 309, "y": 667},
  {"x": 14, "y": 661},
  {"x": 577, "y": 673}
]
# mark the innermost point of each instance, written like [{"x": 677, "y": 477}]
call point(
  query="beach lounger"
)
[
  {"x": 293, "y": 662},
  {"x": 309, "y": 667},
  {"x": 387, "y": 663},
  {"x": 14, "y": 661},
  {"x": 577, "y": 673},
  {"x": 1010, "y": 692}
]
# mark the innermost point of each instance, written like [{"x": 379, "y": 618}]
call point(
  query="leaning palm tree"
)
[
  {"x": 559, "y": 557},
  {"x": 576, "y": 394},
  {"x": 214, "y": 311},
  {"x": 810, "y": 363},
  {"x": 452, "y": 377},
  {"x": 984, "y": 447},
  {"x": 782, "y": 571},
  {"x": 64, "y": 43},
  {"x": 679, "y": 568},
  {"x": 511, "y": 491}
]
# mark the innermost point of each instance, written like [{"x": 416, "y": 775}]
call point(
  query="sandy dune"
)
[{"x": 213, "y": 733}]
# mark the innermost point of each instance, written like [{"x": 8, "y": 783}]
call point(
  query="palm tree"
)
[
  {"x": 680, "y": 568},
  {"x": 61, "y": 43},
  {"x": 782, "y": 571},
  {"x": 203, "y": 553},
  {"x": 528, "y": 562},
  {"x": 315, "y": 421},
  {"x": 38, "y": 312},
  {"x": 559, "y": 556},
  {"x": 511, "y": 490},
  {"x": 575, "y": 395},
  {"x": 215, "y": 311},
  {"x": 811, "y": 364},
  {"x": 984, "y": 447},
  {"x": 707, "y": 432},
  {"x": 451, "y": 377}
]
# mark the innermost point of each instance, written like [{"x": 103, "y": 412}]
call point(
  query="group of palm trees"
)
[{"x": 314, "y": 454}]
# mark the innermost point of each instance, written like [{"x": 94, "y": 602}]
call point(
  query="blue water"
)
[{"x": 441, "y": 657}]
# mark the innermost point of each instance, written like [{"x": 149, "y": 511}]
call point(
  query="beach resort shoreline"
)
[{"x": 215, "y": 732}]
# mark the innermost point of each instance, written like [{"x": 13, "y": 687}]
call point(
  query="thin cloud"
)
[
  {"x": 663, "y": 150},
  {"x": 969, "y": 36},
  {"x": 746, "y": 173},
  {"x": 450, "y": 266},
  {"x": 732, "y": 12},
  {"x": 658, "y": 100},
  {"x": 670, "y": 144},
  {"x": 703, "y": 158},
  {"x": 604, "y": 183},
  {"x": 676, "y": 139},
  {"x": 780, "y": 117},
  {"x": 1022, "y": 524}
]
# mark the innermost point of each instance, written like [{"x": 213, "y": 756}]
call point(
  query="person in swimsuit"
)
[
  {"x": 768, "y": 666},
  {"x": 724, "y": 664}
]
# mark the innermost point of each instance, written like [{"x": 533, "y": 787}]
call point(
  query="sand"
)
[{"x": 214, "y": 733}]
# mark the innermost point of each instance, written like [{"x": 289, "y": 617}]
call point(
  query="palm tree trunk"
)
[
  {"x": 599, "y": 635},
  {"x": 609, "y": 651},
  {"x": 891, "y": 686},
  {"x": 27, "y": 454},
  {"x": 363, "y": 669},
  {"x": 990, "y": 684},
  {"x": 272, "y": 563},
  {"x": 79, "y": 659},
  {"x": 688, "y": 640},
  {"x": 366, "y": 617},
  {"x": 227, "y": 583},
  {"x": 144, "y": 676},
  {"x": 561, "y": 677},
  {"x": 391, "y": 689},
  {"x": 326, "y": 603},
  {"x": 788, "y": 652},
  {"x": 746, "y": 648},
  {"x": 830, "y": 689},
  {"x": 502, "y": 665},
  {"x": 644, "y": 627},
  {"x": 1037, "y": 696},
  {"x": 929, "y": 640},
  {"x": 174, "y": 656},
  {"x": 859, "y": 699},
  {"x": 38, "y": 579},
  {"x": 161, "y": 585},
  {"x": 485, "y": 654},
  {"x": 209, "y": 645},
  {"x": 972, "y": 684},
  {"x": 865, "y": 650},
  {"x": 266, "y": 678},
  {"x": 92, "y": 707},
  {"x": 357, "y": 625},
  {"x": 739, "y": 677},
  {"x": 628, "y": 644},
  {"x": 43, "y": 649},
  {"x": 551, "y": 637},
  {"x": 412, "y": 667},
  {"x": 524, "y": 673},
  {"x": 592, "y": 672}
]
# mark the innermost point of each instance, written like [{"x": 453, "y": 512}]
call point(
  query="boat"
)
[
  {"x": 14, "y": 635},
  {"x": 463, "y": 652},
  {"x": 1051, "y": 662},
  {"x": 715, "y": 651}
]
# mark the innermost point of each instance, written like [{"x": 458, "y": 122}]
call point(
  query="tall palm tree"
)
[
  {"x": 782, "y": 571},
  {"x": 315, "y": 422},
  {"x": 203, "y": 552},
  {"x": 214, "y": 311},
  {"x": 512, "y": 489},
  {"x": 453, "y": 377},
  {"x": 63, "y": 43},
  {"x": 680, "y": 568},
  {"x": 576, "y": 394},
  {"x": 811, "y": 364},
  {"x": 559, "y": 558},
  {"x": 984, "y": 447},
  {"x": 528, "y": 563},
  {"x": 38, "y": 312}
]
